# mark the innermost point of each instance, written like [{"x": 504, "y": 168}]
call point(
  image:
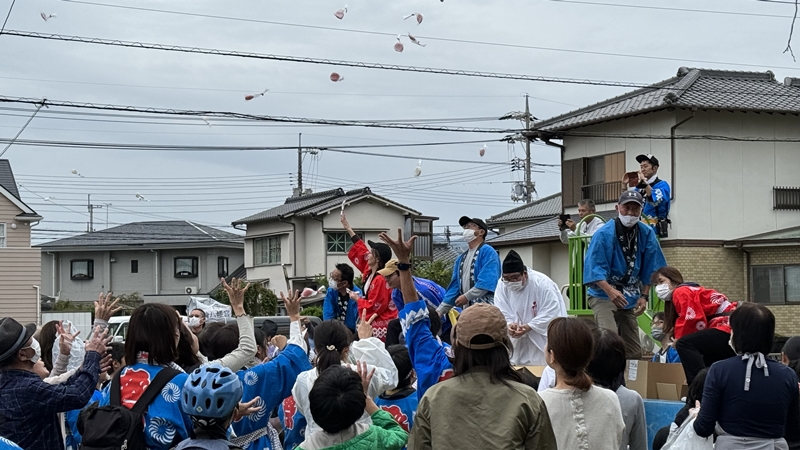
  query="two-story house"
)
[
  {"x": 289, "y": 245},
  {"x": 20, "y": 270},
  {"x": 165, "y": 262},
  {"x": 728, "y": 143}
]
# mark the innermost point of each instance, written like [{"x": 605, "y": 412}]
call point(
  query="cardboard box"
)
[{"x": 656, "y": 380}]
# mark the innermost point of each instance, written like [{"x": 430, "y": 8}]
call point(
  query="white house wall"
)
[{"x": 723, "y": 189}]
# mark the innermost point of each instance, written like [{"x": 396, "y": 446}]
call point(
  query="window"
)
[
  {"x": 186, "y": 267},
  {"x": 222, "y": 266},
  {"x": 776, "y": 284},
  {"x": 2, "y": 235},
  {"x": 267, "y": 250},
  {"x": 598, "y": 178},
  {"x": 339, "y": 241},
  {"x": 786, "y": 198},
  {"x": 423, "y": 246},
  {"x": 596, "y": 170},
  {"x": 134, "y": 266},
  {"x": 81, "y": 269}
]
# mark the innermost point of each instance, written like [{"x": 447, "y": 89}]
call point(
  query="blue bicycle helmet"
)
[{"x": 211, "y": 391}]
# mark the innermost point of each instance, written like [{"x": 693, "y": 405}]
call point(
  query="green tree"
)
[
  {"x": 70, "y": 306},
  {"x": 258, "y": 300},
  {"x": 312, "y": 311},
  {"x": 438, "y": 271}
]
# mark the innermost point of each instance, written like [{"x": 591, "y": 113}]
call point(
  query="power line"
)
[
  {"x": 460, "y": 41},
  {"x": 282, "y": 119},
  {"x": 7, "y": 16},
  {"x": 685, "y": 137},
  {"x": 330, "y": 62},
  {"x": 664, "y": 8}
]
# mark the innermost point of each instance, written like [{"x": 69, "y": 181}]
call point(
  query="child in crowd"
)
[
  {"x": 210, "y": 397},
  {"x": 667, "y": 354},
  {"x": 402, "y": 401},
  {"x": 337, "y": 401}
]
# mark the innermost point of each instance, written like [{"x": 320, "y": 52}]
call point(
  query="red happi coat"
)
[
  {"x": 695, "y": 305},
  {"x": 377, "y": 298}
]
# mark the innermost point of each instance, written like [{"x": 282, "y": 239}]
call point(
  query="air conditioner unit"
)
[{"x": 191, "y": 290}]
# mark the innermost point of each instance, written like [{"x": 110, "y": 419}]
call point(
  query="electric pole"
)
[
  {"x": 90, "y": 207},
  {"x": 528, "y": 182},
  {"x": 299, "y": 164}
]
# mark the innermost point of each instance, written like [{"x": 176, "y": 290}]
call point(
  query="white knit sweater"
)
[{"x": 590, "y": 420}]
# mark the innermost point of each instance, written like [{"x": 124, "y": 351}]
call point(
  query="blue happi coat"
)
[
  {"x": 164, "y": 422},
  {"x": 428, "y": 354},
  {"x": 484, "y": 273},
  {"x": 402, "y": 409},
  {"x": 273, "y": 382},
  {"x": 73, "y": 438},
  {"x": 656, "y": 205},
  {"x": 294, "y": 424},
  {"x": 330, "y": 308},
  {"x": 605, "y": 261}
]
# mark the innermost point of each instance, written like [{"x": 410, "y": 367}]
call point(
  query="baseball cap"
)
[
  {"x": 390, "y": 268},
  {"x": 481, "y": 319},
  {"x": 464, "y": 220},
  {"x": 13, "y": 336},
  {"x": 648, "y": 157},
  {"x": 631, "y": 196},
  {"x": 384, "y": 252}
]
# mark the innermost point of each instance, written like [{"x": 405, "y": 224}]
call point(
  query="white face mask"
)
[
  {"x": 194, "y": 322},
  {"x": 628, "y": 221},
  {"x": 664, "y": 292},
  {"x": 514, "y": 285},
  {"x": 333, "y": 284},
  {"x": 469, "y": 235},
  {"x": 37, "y": 349}
]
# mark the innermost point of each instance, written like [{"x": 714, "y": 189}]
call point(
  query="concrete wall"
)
[
  {"x": 716, "y": 267},
  {"x": 722, "y": 189}
]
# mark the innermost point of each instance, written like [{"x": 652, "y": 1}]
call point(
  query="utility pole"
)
[
  {"x": 90, "y": 207},
  {"x": 528, "y": 182},
  {"x": 299, "y": 164}
]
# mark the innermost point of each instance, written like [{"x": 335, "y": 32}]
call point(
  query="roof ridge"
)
[
  {"x": 299, "y": 198},
  {"x": 526, "y": 205},
  {"x": 202, "y": 230},
  {"x": 748, "y": 74}
]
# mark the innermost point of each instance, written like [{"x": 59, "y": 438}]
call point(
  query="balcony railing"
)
[{"x": 603, "y": 192}]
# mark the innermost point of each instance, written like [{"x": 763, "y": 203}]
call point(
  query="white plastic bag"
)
[
  {"x": 214, "y": 310},
  {"x": 685, "y": 438},
  {"x": 77, "y": 352}
]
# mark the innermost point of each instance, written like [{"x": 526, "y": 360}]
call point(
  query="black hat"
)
[
  {"x": 384, "y": 252},
  {"x": 631, "y": 196},
  {"x": 269, "y": 327},
  {"x": 649, "y": 158},
  {"x": 513, "y": 263},
  {"x": 13, "y": 336},
  {"x": 464, "y": 220}
]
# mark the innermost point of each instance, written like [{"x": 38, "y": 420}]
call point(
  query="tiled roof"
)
[
  {"x": 691, "y": 88},
  {"x": 7, "y": 178},
  {"x": 149, "y": 233},
  {"x": 785, "y": 234},
  {"x": 544, "y": 207},
  {"x": 546, "y": 230},
  {"x": 317, "y": 203}
]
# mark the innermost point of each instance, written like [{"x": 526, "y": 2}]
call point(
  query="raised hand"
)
[
  {"x": 292, "y": 305},
  {"x": 402, "y": 249},
  {"x": 279, "y": 341},
  {"x": 365, "y": 374},
  {"x": 106, "y": 306},
  {"x": 235, "y": 293},
  {"x": 106, "y": 364},
  {"x": 99, "y": 341},
  {"x": 245, "y": 409},
  {"x": 65, "y": 343},
  {"x": 365, "y": 326}
]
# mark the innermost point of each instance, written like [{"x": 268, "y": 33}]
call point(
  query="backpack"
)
[{"x": 115, "y": 427}]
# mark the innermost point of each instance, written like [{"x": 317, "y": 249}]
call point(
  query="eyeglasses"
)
[{"x": 513, "y": 277}]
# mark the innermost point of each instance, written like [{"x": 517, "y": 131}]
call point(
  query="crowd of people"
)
[{"x": 406, "y": 363}]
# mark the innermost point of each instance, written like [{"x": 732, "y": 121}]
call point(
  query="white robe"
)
[{"x": 536, "y": 305}]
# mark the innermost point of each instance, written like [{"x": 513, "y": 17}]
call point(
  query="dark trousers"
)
[{"x": 701, "y": 349}]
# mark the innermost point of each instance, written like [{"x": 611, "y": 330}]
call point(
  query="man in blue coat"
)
[
  {"x": 655, "y": 191},
  {"x": 621, "y": 258},
  {"x": 338, "y": 304},
  {"x": 475, "y": 272}
]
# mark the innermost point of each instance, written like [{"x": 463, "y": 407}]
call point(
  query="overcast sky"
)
[{"x": 220, "y": 187}]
